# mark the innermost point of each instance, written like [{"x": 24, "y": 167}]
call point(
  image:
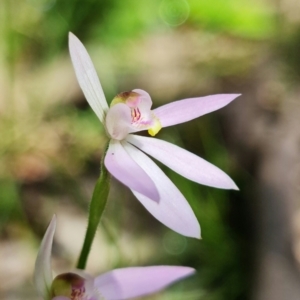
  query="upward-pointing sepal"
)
[
  {"x": 43, "y": 271},
  {"x": 87, "y": 77}
]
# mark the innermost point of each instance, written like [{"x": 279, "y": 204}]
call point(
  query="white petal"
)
[
  {"x": 183, "y": 162},
  {"x": 87, "y": 77},
  {"x": 187, "y": 109},
  {"x": 43, "y": 270},
  {"x": 173, "y": 210},
  {"x": 118, "y": 121},
  {"x": 125, "y": 169}
]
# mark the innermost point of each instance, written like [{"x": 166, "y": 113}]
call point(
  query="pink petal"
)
[
  {"x": 183, "y": 162},
  {"x": 87, "y": 77},
  {"x": 173, "y": 210},
  {"x": 126, "y": 170},
  {"x": 185, "y": 110},
  {"x": 118, "y": 121},
  {"x": 133, "y": 282},
  {"x": 43, "y": 270}
]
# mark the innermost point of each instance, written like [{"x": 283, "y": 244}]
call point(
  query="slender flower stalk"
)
[
  {"x": 126, "y": 160},
  {"x": 117, "y": 284},
  {"x": 96, "y": 208}
]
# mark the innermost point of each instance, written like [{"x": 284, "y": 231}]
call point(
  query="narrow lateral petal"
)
[
  {"x": 173, "y": 210},
  {"x": 188, "y": 109},
  {"x": 87, "y": 77},
  {"x": 183, "y": 162},
  {"x": 125, "y": 169},
  {"x": 43, "y": 270},
  {"x": 128, "y": 283}
]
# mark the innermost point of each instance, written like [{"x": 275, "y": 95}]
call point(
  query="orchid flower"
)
[
  {"x": 126, "y": 160},
  {"x": 117, "y": 284}
]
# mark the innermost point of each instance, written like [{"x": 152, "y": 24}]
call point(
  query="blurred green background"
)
[{"x": 51, "y": 142}]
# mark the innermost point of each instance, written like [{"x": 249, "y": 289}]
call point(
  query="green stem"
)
[{"x": 96, "y": 209}]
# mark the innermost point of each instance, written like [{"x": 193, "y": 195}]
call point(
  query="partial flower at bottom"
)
[
  {"x": 126, "y": 160},
  {"x": 118, "y": 284}
]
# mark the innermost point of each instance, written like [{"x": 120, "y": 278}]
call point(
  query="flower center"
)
[
  {"x": 141, "y": 116},
  {"x": 69, "y": 285},
  {"x": 156, "y": 126},
  {"x": 135, "y": 114},
  {"x": 130, "y": 98},
  {"x": 77, "y": 294}
]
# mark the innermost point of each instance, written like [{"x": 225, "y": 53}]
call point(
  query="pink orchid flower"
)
[
  {"x": 126, "y": 160},
  {"x": 117, "y": 284}
]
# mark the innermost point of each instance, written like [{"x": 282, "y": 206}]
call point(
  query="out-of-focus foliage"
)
[
  {"x": 51, "y": 142},
  {"x": 254, "y": 20}
]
